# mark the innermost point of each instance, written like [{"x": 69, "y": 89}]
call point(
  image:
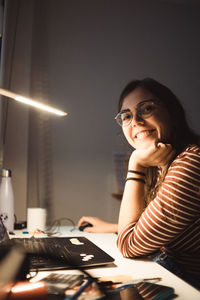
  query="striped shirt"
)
[{"x": 171, "y": 222}]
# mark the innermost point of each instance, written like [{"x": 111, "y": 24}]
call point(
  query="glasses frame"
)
[{"x": 136, "y": 112}]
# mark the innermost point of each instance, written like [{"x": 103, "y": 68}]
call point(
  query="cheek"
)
[
  {"x": 165, "y": 129},
  {"x": 126, "y": 132},
  {"x": 128, "y": 135}
]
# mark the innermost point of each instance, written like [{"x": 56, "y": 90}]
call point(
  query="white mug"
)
[{"x": 36, "y": 219}]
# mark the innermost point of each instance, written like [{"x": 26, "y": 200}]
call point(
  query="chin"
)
[{"x": 144, "y": 144}]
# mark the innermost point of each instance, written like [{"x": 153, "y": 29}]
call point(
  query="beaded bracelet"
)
[
  {"x": 135, "y": 178},
  {"x": 137, "y": 172}
]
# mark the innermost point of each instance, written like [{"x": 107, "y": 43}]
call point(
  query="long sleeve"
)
[{"x": 172, "y": 219}]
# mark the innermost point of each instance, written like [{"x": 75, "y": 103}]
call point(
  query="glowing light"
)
[
  {"x": 27, "y": 287},
  {"x": 32, "y": 102}
]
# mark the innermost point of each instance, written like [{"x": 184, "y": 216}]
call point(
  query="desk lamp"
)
[{"x": 32, "y": 102}]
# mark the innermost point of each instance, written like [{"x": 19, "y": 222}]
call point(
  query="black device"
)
[
  {"x": 143, "y": 291},
  {"x": 56, "y": 253},
  {"x": 84, "y": 225},
  {"x": 20, "y": 225}
]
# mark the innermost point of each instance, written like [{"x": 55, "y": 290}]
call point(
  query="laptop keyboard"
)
[
  {"x": 56, "y": 253},
  {"x": 45, "y": 252}
]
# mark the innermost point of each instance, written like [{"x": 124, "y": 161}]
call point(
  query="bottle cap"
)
[{"x": 6, "y": 173}]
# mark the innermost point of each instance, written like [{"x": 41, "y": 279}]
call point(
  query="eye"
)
[
  {"x": 146, "y": 108},
  {"x": 125, "y": 117}
]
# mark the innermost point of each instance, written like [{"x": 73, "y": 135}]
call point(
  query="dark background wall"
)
[{"x": 93, "y": 48}]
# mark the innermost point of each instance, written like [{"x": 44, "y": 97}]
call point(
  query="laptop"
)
[{"x": 57, "y": 253}]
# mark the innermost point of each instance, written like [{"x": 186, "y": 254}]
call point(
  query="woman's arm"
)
[
  {"x": 98, "y": 225},
  {"x": 133, "y": 201},
  {"x": 175, "y": 207}
]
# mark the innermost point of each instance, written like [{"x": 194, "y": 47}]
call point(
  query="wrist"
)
[
  {"x": 135, "y": 172},
  {"x": 137, "y": 168},
  {"x": 135, "y": 163}
]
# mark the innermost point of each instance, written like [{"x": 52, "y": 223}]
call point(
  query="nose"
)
[{"x": 136, "y": 119}]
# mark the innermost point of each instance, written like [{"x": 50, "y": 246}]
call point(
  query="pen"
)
[
  {"x": 134, "y": 281},
  {"x": 82, "y": 288}
]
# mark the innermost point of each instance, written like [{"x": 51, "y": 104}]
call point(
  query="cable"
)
[{"x": 53, "y": 228}]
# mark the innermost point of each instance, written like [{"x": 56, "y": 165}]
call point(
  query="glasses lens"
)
[
  {"x": 124, "y": 118},
  {"x": 146, "y": 109}
]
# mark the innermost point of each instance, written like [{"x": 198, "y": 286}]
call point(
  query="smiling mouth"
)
[{"x": 143, "y": 134}]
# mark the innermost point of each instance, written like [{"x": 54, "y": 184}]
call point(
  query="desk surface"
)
[{"x": 136, "y": 268}]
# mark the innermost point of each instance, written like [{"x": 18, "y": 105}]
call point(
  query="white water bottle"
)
[{"x": 7, "y": 200}]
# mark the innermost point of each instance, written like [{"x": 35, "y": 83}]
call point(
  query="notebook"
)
[{"x": 57, "y": 253}]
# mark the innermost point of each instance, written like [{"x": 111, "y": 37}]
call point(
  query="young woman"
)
[{"x": 160, "y": 209}]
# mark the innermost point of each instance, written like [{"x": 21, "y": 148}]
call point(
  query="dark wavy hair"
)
[{"x": 182, "y": 135}]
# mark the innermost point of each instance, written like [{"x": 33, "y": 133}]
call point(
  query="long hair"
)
[{"x": 181, "y": 136}]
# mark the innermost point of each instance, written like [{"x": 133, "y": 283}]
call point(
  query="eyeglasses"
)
[{"x": 144, "y": 110}]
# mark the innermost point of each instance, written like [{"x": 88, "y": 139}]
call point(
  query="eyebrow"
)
[
  {"x": 124, "y": 111},
  {"x": 127, "y": 110}
]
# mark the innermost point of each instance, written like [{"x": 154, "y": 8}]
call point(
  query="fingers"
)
[
  {"x": 91, "y": 229},
  {"x": 165, "y": 154},
  {"x": 161, "y": 144},
  {"x": 160, "y": 154},
  {"x": 98, "y": 225},
  {"x": 166, "y": 149},
  {"x": 85, "y": 219},
  {"x": 170, "y": 155}
]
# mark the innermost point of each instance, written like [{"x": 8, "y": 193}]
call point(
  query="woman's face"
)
[{"x": 143, "y": 131}]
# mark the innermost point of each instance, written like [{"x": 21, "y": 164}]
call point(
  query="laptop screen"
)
[{"x": 3, "y": 232}]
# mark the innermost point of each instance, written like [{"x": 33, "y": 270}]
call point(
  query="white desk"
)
[{"x": 137, "y": 268}]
